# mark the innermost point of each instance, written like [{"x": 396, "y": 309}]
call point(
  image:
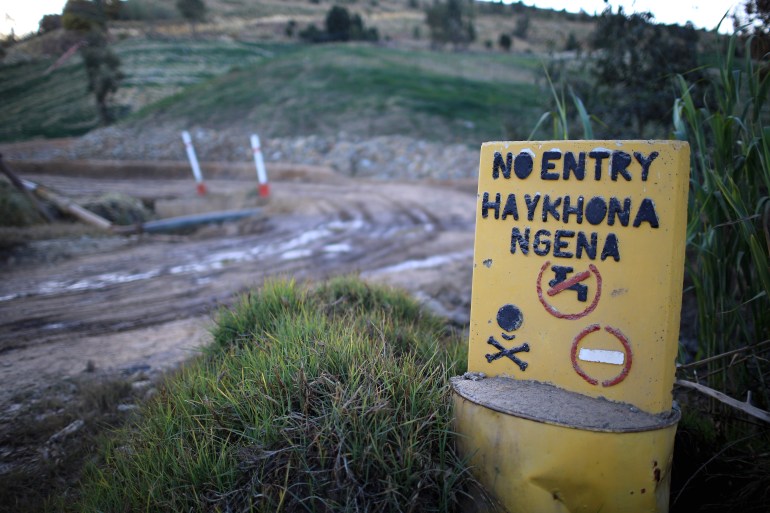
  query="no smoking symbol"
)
[{"x": 565, "y": 280}]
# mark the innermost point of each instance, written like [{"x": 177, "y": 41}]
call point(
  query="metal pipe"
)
[{"x": 172, "y": 224}]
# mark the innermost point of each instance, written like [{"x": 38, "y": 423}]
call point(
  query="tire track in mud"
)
[{"x": 330, "y": 230}]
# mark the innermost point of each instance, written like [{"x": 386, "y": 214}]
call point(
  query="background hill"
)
[{"x": 247, "y": 66}]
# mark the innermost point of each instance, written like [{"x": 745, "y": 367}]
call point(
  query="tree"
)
[
  {"x": 86, "y": 15},
  {"x": 338, "y": 23},
  {"x": 104, "y": 75},
  {"x": 89, "y": 20},
  {"x": 758, "y": 18},
  {"x": 634, "y": 66},
  {"x": 505, "y": 42},
  {"x": 291, "y": 26},
  {"x": 194, "y": 11},
  {"x": 313, "y": 34},
  {"x": 522, "y": 26},
  {"x": 83, "y": 16},
  {"x": 49, "y": 22},
  {"x": 758, "y": 12},
  {"x": 451, "y": 22},
  {"x": 572, "y": 44}
]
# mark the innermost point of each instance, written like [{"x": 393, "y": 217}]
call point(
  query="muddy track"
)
[{"x": 141, "y": 299}]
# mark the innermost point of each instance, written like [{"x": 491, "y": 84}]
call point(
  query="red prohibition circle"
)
[
  {"x": 626, "y": 347},
  {"x": 573, "y": 316}
]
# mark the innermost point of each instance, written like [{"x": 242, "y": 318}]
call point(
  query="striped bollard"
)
[
  {"x": 259, "y": 162},
  {"x": 201, "y": 187}
]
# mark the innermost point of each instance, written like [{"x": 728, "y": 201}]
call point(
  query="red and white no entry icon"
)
[
  {"x": 562, "y": 282},
  {"x": 622, "y": 358}
]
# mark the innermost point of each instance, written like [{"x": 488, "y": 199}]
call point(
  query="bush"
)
[
  {"x": 505, "y": 42},
  {"x": 49, "y": 22},
  {"x": 729, "y": 224},
  {"x": 331, "y": 399},
  {"x": 340, "y": 26},
  {"x": 15, "y": 207},
  {"x": 632, "y": 86},
  {"x": 339, "y": 23},
  {"x": 82, "y": 16},
  {"x": 313, "y": 34},
  {"x": 451, "y": 22},
  {"x": 522, "y": 26},
  {"x": 572, "y": 44},
  {"x": 728, "y": 266},
  {"x": 192, "y": 10}
]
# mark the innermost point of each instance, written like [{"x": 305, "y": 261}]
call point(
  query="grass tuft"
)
[
  {"x": 728, "y": 232},
  {"x": 15, "y": 208},
  {"x": 334, "y": 398},
  {"x": 728, "y": 266}
]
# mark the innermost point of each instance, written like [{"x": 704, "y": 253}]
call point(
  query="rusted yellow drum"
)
[{"x": 538, "y": 448}]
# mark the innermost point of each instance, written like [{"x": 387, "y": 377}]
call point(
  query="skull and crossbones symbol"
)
[{"x": 509, "y": 318}]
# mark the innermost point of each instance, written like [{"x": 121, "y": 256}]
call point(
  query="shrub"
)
[
  {"x": 49, "y": 22},
  {"x": 505, "y": 42},
  {"x": 451, "y": 22},
  {"x": 729, "y": 220},
  {"x": 340, "y": 25},
  {"x": 15, "y": 208},
  {"x": 331, "y": 399}
]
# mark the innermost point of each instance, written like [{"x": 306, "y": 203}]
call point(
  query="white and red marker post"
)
[
  {"x": 201, "y": 187},
  {"x": 259, "y": 162}
]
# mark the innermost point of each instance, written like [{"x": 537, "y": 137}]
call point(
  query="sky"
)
[{"x": 23, "y": 15}]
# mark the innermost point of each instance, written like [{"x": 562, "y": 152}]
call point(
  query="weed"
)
[
  {"x": 728, "y": 231},
  {"x": 560, "y": 116},
  {"x": 728, "y": 264},
  {"x": 15, "y": 208}
]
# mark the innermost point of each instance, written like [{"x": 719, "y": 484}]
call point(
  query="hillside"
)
[{"x": 247, "y": 67}]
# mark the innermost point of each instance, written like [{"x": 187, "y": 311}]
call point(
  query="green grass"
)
[
  {"x": 327, "y": 399},
  {"x": 728, "y": 231},
  {"x": 728, "y": 266},
  {"x": 365, "y": 90},
  {"x": 722, "y": 455},
  {"x": 164, "y": 63},
  {"x": 58, "y": 104},
  {"x": 15, "y": 208},
  {"x": 284, "y": 90},
  {"x": 36, "y": 103}
]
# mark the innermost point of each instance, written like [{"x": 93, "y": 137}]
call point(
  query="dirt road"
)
[{"x": 118, "y": 303}]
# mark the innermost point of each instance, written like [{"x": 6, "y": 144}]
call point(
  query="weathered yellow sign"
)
[{"x": 578, "y": 266}]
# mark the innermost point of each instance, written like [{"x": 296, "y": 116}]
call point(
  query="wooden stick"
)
[
  {"x": 728, "y": 353},
  {"x": 69, "y": 206},
  {"x": 719, "y": 396}
]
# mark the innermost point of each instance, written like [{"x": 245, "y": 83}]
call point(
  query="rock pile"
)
[{"x": 383, "y": 157}]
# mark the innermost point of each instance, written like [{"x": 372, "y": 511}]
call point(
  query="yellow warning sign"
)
[{"x": 578, "y": 266}]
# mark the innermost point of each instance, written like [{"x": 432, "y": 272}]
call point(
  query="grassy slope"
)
[
  {"x": 364, "y": 90},
  {"x": 290, "y": 89},
  {"x": 36, "y": 103},
  {"x": 285, "y": 90},
  {"x": 57, "y": 104},
  {"x": 334, "y": 399}
]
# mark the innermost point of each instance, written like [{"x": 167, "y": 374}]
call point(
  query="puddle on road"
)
[
  {"x": 423, "y": 263},
  {"x": 292, "y": 249}
]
